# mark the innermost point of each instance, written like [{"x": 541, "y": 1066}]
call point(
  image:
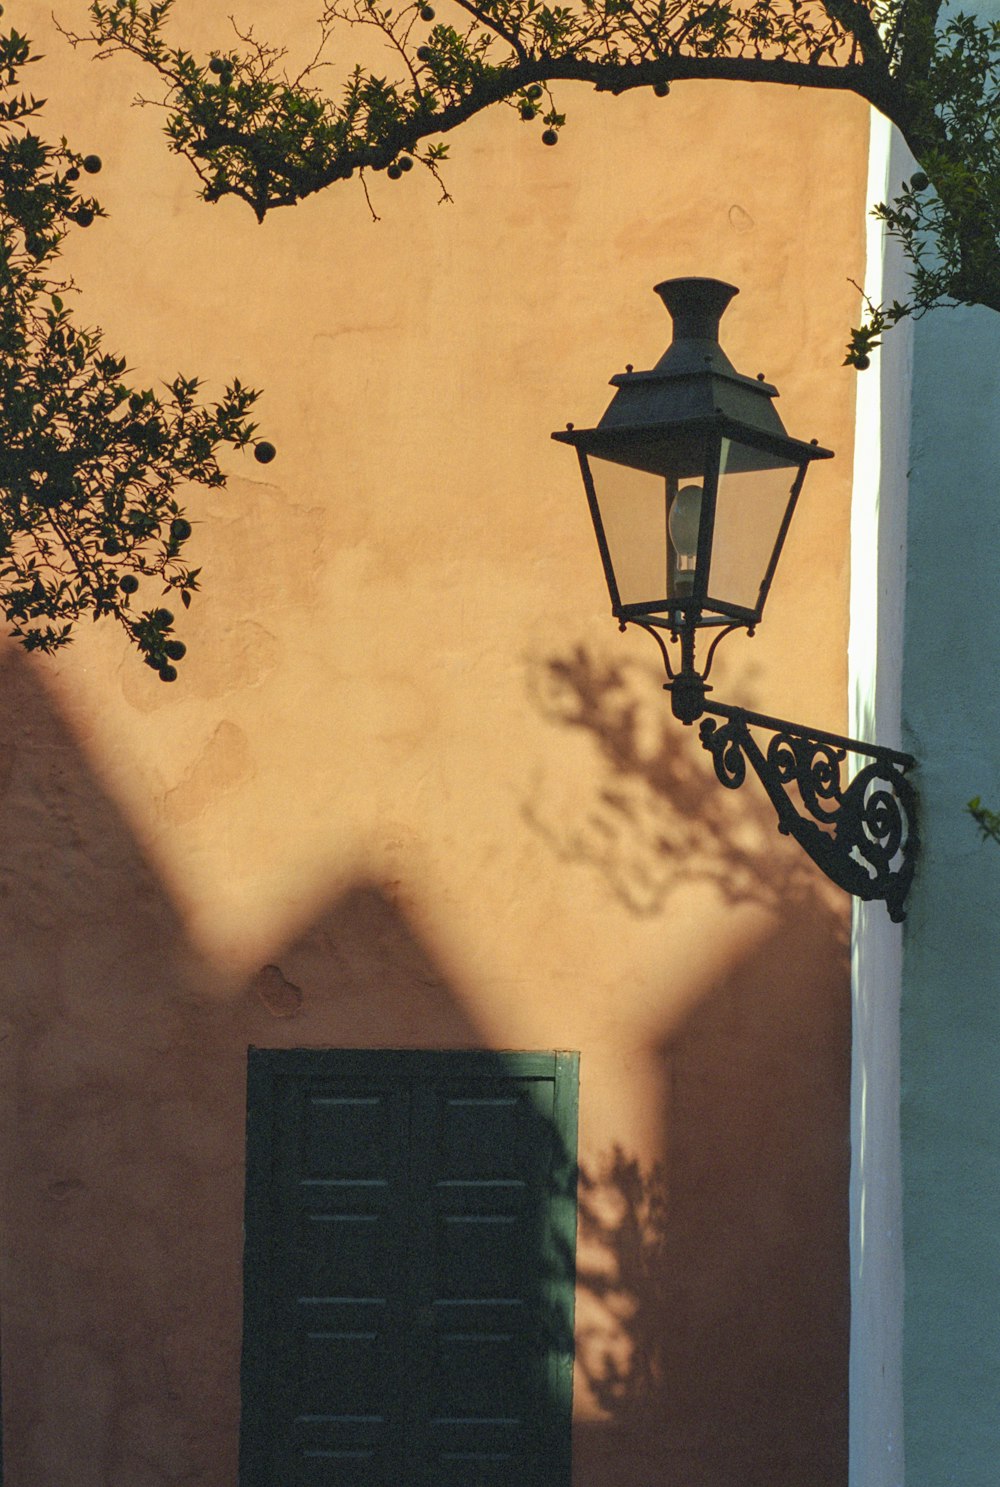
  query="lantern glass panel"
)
[
  {"x": 633, "y": 511},
  {"x": 651, "y": 517},
  {"x": 754, "y": 492}
]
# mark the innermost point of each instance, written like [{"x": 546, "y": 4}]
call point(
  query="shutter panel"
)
[
  {"x": 336, "y": 1220},
  {"x": 408, "y": 1292},
  {"x": 485, "y": 1151}
]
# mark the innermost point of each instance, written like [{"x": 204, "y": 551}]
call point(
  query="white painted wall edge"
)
[{"x": 875, "y": 648}]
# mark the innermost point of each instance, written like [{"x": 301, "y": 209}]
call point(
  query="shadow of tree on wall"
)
[
  {"x": 123, "y": 1111},
  {"x": 655, "y": 816},
  {"x": 712, "y": 1282},
  {"x": 623, "y": 1237},
  {"x": 713, "y": 1309}
]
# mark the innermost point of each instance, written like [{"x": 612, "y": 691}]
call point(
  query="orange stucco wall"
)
[{"x": 413, "y": 789}]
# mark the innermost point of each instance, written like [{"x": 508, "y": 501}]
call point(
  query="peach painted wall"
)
[{"x": 413, "y": 789}]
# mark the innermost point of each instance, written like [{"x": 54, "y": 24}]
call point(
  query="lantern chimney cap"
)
[
  {"x": 696, "y": 306},
  {"x": 694, "y": 382}
]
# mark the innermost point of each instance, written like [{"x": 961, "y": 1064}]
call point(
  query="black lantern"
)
[{"x": 692, "y": 482}]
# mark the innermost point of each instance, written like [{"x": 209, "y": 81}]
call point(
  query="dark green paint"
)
[{"x": 409, "y": 1269}]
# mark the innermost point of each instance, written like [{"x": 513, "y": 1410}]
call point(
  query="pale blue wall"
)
[
  {"x": 925, "y": 1395},
  {"x": 950, "y": 1020}
]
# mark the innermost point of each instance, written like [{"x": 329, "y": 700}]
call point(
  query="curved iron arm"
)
[{"x": 864, "y": 836}]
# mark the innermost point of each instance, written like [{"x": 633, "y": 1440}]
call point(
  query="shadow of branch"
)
[{"x": 651, "y": 815}]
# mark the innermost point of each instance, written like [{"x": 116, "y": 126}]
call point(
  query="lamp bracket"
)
[
  {"x": 863, "y": 835},
  {"x": 686, "y": 638}
]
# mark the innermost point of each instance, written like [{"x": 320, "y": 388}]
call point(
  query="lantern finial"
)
[{"x": 696, "y": 305}]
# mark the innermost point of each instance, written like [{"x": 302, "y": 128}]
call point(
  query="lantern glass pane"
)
[
  {"x": 633, "y": 507},
  {"x": 755, "y": 488},
  {"x": 651, "y": 510}
]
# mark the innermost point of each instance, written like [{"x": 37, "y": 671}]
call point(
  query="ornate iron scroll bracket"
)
[{"x": 863, "y": 835}]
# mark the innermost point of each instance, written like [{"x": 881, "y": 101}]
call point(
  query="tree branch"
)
[{"x": 252, "y": 132}]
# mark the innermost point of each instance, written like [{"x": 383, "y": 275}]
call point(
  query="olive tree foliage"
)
[
  {"x": 92, "y": 468},
  {"x": 986, "y": 820},
  {"x": 253, "y": 130}
]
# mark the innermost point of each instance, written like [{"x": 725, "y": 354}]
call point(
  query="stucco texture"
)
[{"x": 413, "y": 789}]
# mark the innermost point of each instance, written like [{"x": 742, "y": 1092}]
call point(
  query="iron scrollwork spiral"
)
[
  {"x": 814, "y": 768},
  {"x": 863, "y": 836},
  {"x": 726, "y": 745}
]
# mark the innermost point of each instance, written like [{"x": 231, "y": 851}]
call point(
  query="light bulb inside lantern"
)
[
  {"x": 685, "y": 520},
  {"x": 684, "y": 523}
]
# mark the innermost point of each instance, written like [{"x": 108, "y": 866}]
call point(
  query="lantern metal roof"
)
[{"x": 694, "y": 383}]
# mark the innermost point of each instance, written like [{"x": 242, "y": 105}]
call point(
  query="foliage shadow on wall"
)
[
  {"x": 718, "y": 1347},
  {"x": 656, "y": 818},
  {"x": 713, "y": 1284}
]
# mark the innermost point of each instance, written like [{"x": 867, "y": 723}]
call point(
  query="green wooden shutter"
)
[{"x": 409, "y": 1260}]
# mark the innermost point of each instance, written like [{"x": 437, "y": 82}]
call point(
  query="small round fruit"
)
[
  {"x": 863, "y": 363},
  {"x": 180, "y": 529},
  {"x": 112, "y": 546},
  {"x": 919, "y": 182},
  {"x": 427, "y": 12},
  {"x": 424, "y": 54},
  {"x": 217, "y": 66},
  {"x": 550, "y": 137},
  {"x": 405, "y": 163},
  {"x": 394, "y": 172},
  {"x": 129, "y": 584},
  {"x": 72, "y": 174},
  {"x": 264, "y": 452},
  {"x": 92, "y": 164},
  {"x": 527, "y": 111},
  {"x": 168, "y": 673},
  {"x": 535, "y": 92},
  {"x": 83, "y": 217},
  {"x": 175, "y": 649},
  {"x": 162, "y": 619},
  {"x": 661, "y": 89}
]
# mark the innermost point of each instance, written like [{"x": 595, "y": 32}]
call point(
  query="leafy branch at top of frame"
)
[
  {"x": 253, "y": 130},
  {"x": 92, "y": 467}
]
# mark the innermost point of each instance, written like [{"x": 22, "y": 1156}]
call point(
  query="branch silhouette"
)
[
  {"x": 655, "y": 817},
  {"x": 271, "y": 137},
  {"x": 92, "y": 468}
]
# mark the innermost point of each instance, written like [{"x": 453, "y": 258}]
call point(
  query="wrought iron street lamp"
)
[{"x": 692, "y": 482}]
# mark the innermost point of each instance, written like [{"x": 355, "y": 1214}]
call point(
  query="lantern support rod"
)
[{"x": 818, "y": 735}]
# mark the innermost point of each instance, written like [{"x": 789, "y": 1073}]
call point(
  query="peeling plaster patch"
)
[
  {"x": 238, "y": 658},
  {"x": 282, "y": 998},
  {"x": 228, "y": 658},
  {"x": 224, "y": 762},
  {"x": 66, "y": 1187},
  {"x": 292, "y": 534},
  {"x": 740, "y": 220}
]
